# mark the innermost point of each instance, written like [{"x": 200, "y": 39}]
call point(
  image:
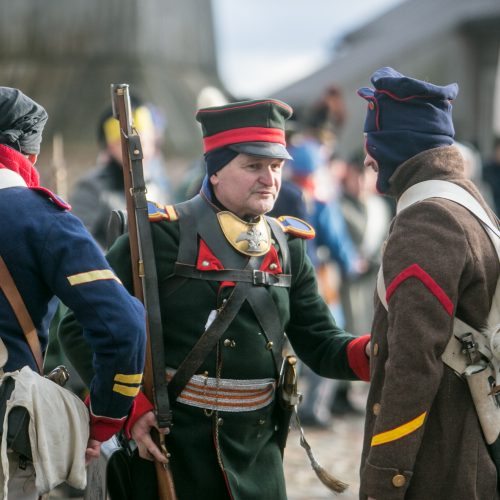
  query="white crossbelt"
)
[{"x": 221, "y": 394}]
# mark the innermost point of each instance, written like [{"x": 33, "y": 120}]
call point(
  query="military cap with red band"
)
[{"x": 255, "y": 127}]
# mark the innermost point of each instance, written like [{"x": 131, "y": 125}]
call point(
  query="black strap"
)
[
  {"x": 254, "y": 276},
  {"x": 11, "y": 292},
  {"x": 268, "y": 316},
  {"x": 150, "y": 285},
  {"x": 188, "y": 243},
  {"x": 279, "y": 234},
  {"x": 211, "y": 336},
  {"x": 197, "y": 217}
]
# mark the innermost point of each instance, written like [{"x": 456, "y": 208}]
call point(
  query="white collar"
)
[{"x": 9, "y": 178}]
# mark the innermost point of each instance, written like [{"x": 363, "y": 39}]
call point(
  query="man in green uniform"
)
[{"x": 223, "y": 443}]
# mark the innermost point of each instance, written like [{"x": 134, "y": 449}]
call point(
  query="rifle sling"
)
[
  {"x": 150, "y": 285},
  {"x": 15, "y": 300}
]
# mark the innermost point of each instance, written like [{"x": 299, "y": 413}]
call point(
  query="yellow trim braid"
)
[
  {"x": 88, "y": 277},
  {"x": 125, "y": 390},
  {"x": 399, "y": 432},
  {"x": 128, "y": 379}
]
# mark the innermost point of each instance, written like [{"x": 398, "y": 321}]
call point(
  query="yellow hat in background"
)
[{"x": 142, "y": 121}]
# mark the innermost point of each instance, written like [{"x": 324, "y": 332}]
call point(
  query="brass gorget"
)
[{"x": 248, "y": 238}]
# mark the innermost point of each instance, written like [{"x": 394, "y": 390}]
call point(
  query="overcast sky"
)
[{"x": 265, "y": 44}]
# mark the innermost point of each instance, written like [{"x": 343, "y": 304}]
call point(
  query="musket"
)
[{"x": 145, "y": 278}]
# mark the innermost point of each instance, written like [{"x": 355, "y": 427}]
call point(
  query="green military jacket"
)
[{"x": 225, "y": 454}]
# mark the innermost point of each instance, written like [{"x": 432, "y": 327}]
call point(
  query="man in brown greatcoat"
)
[{"x": 423, "y": 439}]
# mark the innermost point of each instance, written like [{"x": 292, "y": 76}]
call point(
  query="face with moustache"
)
[{"x": 248, "y": 185}]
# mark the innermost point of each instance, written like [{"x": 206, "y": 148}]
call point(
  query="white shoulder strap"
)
[{"x": 449, "y": 191}]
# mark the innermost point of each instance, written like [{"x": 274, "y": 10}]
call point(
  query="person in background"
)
[
  {"x": 423, "y": 438},
  {"x": 491, "y": 175},
  {"x": 367, "y": 216},
  {"x": 101, "y": 190},
  {"x": 192, "y": 180},
  {"x": 332, "y": 246},
  {"x": 48, "y": 252}
]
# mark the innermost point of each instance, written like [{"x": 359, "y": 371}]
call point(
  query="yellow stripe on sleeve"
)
[
  {"x": 399, "y": 432},
  {"x": 128, "y": 379},
  {"x": 125, "y": 390},
  {"x": 90, "y": 276}
]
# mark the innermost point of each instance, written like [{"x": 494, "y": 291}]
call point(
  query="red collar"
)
[{"x": 17, "y": 162}]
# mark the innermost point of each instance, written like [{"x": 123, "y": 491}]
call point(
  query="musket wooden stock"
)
[{"x": 137, "y": 207}]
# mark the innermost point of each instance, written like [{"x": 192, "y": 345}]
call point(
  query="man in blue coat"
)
[{"x": 48, "y": 253}]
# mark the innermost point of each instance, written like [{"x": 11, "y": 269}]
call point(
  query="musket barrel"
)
[{"x": 145, "y": 280}]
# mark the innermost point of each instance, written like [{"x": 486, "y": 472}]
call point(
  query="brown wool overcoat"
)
[{"x": 435, "y": 449}]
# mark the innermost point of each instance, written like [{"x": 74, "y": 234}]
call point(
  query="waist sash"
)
[{"x": 231, "y": 395}]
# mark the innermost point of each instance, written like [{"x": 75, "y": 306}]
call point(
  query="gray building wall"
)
[{"x": 66, "y": 53}]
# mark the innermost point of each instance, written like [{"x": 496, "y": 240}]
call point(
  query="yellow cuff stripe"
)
[
  {"x": 101, "y": 274},
  {"x": 125, "y": 390},
  {"x": 128, "y": 379},
  {"x": 399, "y": 432}
]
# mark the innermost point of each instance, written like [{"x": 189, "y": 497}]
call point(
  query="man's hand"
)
[
  {"x": 367, "y": 352},
  {"x": 141, "y": 433},
  {"x": 93, "y": 450}
]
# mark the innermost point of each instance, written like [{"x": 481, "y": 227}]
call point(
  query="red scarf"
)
[{"x": 18, "y": 163}]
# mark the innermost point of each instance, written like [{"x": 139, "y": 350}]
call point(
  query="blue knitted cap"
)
[{"x": 405, "y": 116}]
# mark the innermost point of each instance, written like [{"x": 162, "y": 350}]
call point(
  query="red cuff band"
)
[
  {"x": 358, "y": 360},
  {"x": 140, "y": 406},
  {"x": 103, "y": 428}
]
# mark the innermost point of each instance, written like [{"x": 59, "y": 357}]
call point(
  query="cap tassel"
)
[{"x": 331, "y": 482}]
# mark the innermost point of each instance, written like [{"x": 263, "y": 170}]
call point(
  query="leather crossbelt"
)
[
  {"x": 212, "y": 335},
  {"x": 15, "y": 300}
]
